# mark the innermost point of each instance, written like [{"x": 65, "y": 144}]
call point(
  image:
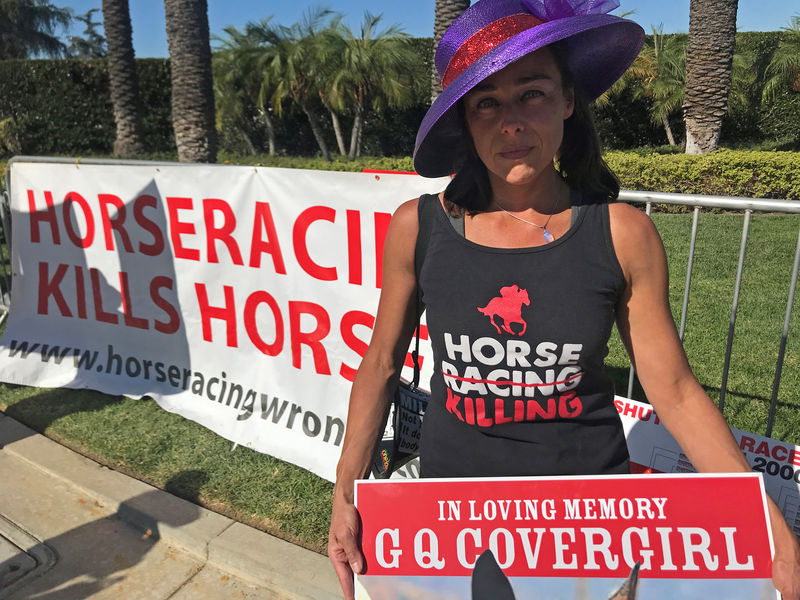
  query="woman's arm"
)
[
  {"x": 648, "y": 331},
  {"x": 373, "y": 387}
]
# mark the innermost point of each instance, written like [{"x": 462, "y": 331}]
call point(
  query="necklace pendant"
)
[{"x": 548, "y": 237}]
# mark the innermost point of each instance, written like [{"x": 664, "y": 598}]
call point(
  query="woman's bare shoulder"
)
[
  {"x": 402, "y": 235},
  {"x": 406, "y": 214},
  {"x": 404, "y": 226},
  {"x": 630, "y": 224},
  {"x": 626, "y": 215},
  {"x": 635, "y": 237}
]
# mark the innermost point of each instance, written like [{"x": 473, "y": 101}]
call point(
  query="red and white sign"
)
[
  {"x": 242, "y": 298},
  {"x": 677, "y": 527}
]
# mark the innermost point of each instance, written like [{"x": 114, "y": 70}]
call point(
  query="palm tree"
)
[
  {"x": 665, "y": 84},
  {"x": 783, "y": 70},
  {"x": 744, "y": 81},
  {"x": 374, "y": 70},
  {"x": 240, "y": 88},
  {"x": 330, "y": 51},
  {"x": 293, "y": 69},
  {"x": 28, "y": 27},
  {"x": 123, "y": 82},
  {"x": 192, "y": 91},
  {"x": 658, "y": 74},
  {"x": 712, "y": 38},
  {"x": 446, "y": 12},
  {"x": 231, "y": 96}
]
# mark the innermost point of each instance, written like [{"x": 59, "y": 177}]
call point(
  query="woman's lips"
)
[{"x": 516, "y": 153}]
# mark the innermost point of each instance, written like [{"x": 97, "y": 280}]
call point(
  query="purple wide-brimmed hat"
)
[{"x": 492, "y": 34}]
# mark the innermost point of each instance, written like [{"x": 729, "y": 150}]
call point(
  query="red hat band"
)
[{"x": 485, "y": 39}]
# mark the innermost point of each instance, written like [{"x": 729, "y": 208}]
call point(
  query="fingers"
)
[
  {"x": 786, "y": 577},
  {"x": 343, "y": 548},
  {"x": 343, "y": 571}
]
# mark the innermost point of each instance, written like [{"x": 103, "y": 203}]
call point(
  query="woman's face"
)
[{"x": 516, "y": 118}]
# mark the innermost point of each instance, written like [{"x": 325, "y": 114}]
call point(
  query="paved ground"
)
[{"x": 72, "y": 529}]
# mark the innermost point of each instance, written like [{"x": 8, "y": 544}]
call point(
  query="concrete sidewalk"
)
[{"x": 70, "y": 528}]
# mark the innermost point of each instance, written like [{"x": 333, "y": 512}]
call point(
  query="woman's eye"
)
[
  {"x": 532, "y": 94},
  {"x": 486, "y": 103}
]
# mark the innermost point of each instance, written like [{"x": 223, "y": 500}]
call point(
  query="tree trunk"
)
[
  {"x": 270, "y": 131},
  {"x": 317, "y": 131},
  {"x": 123, "y": 83},
  {"x": 668, "y": 130},
  {"x": 192, "y": 93},
  {"x": 251, "y": 149},
  {"x": 337, "y": 126},
  {"x": 337, "y": 129},
  {"x": 709, "y": 56},
  {"x": 355, "y": 133},
  {"x": 446, "y": 12}
]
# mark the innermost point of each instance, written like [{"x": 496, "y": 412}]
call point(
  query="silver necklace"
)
[{"x": 548, "y": 236}]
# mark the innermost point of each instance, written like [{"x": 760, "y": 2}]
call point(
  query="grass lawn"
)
[
  {"x": 140, "y": 439},
  {"x": 759, "y": 319}
]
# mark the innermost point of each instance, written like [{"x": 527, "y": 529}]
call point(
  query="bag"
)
[{"x": 399, "y": 444}]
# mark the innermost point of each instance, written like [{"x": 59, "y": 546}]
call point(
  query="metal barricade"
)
[{"x": 747, "y": 206}]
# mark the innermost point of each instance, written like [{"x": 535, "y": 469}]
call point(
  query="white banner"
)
[{"x": 242, "y": 298}]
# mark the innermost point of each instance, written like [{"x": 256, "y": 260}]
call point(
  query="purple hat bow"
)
[{"x": 561, "y": 9}]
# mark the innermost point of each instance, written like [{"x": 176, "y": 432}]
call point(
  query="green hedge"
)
[
  {"x": 778, "y": 120},
  {"x": 385, "y": 163},
  {"x": 64, "y": 106},
  {"x": 724, "y": 173}
]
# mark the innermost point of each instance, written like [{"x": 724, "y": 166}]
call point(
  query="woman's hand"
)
[
  {"x": 786, "y": 576},
  {"x": 343, "y": 544},
  {"x": 786, "y": 562}
]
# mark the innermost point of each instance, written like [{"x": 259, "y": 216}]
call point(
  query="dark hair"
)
[{"x": 580, "y": 161}]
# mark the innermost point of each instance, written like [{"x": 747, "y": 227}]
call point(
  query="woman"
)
[{"x": 528, "y": 265}]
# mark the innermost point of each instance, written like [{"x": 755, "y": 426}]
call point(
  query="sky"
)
[{"x": 415, "y": 17}]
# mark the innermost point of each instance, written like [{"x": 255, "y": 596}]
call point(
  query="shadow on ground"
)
[{"x": 99, "y": 551}]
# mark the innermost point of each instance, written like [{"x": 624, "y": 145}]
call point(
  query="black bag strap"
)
[
  {"x": 426, "y": 212},
  {"x": 427, "y": 206}
]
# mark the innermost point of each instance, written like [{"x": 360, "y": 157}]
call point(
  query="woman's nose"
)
[{"x": 511, "y": 119}]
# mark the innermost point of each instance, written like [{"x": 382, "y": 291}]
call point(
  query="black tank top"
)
[{"x": 519, "y": 337}]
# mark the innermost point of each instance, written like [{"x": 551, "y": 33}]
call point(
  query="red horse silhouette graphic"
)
[{"x": 507, "y": 306}]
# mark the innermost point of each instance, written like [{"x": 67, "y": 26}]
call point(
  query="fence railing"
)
[
  {"x": 747, "y": 206},
  {"x": 744, "y": 205}
]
